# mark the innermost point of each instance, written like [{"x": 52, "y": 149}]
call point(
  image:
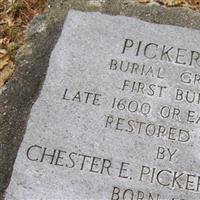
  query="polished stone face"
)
[{"x": 117, "y": 117}]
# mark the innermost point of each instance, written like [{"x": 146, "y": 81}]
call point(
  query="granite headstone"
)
[{"x": 117, "y": 117}]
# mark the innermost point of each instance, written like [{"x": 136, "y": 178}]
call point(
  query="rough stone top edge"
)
[
  {"x": 72, "y": 12},
  {"x": 146, "y": 13}
]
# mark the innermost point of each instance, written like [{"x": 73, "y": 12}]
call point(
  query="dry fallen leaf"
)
[
  {"x": 4, "y": 61},
  {"x": 3, "y": 51},
  {"x": 144, "y": 1},
  {"x": 172, "y": 2},
  {"x": 6, "y": 73}
]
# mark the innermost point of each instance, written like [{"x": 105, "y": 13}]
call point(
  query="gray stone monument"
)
[{"x": 117, "y": 116}]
